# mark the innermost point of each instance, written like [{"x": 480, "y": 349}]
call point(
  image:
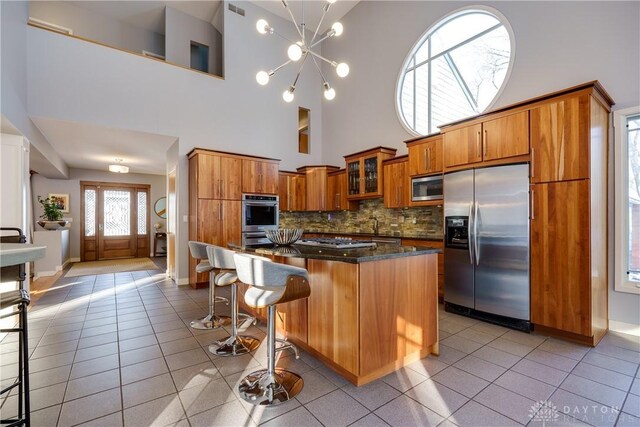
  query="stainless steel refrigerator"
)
[{"x": 487, "y": 243}]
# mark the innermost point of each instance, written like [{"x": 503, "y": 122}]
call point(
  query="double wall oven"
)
[{"x": 259, "y": 213}]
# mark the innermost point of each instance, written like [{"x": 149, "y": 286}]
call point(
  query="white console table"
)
[{"x": 57, "y": 243}]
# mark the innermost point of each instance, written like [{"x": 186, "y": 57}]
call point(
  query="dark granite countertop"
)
[
  {"x": 426, "y": 237},
  {"x": 354, "y": 256}
]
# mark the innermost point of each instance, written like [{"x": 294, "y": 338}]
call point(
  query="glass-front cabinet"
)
[{"x": 364, "y": 172}]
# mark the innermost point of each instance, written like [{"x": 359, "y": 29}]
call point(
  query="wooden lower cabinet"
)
[
  {"x": 432, "y": 244},
  {"x": 363, "y": 320},
  {"x": 564, "y": 295}
]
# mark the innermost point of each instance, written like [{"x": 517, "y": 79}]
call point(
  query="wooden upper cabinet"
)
[
  {"x": 292, "y": 191},
  {"x": 365, "y": 173},
  {"x": 219, "y": 177},
  {"x": 560, "y": 256},
  {"x": 506, "y": 136},
  {"x": 560, "y": 140},
  {"x": 337, "y": 192},
  {"x": 260, "y": 177},
  {"x": 316, "y": 186},
  {"x": 396, "y": 184},
  {"x": 425, "y": 156},
  {"x": 463, "y": 146}
]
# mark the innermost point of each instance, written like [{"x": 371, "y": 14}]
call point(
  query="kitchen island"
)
[{"x": 371, "y": 310}]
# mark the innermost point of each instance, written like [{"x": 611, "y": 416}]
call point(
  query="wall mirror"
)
[
  {"x": 304, "y": 120},
  {"x": 160, "y": 207}
]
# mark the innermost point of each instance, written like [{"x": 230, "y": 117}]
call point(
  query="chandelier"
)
[{"x": 301, "y": 50}]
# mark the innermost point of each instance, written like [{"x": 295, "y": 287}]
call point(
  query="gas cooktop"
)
[{"x": 336, "y": 243}]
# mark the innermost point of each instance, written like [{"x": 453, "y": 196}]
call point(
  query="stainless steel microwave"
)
[{"x": 426, "y": 188}]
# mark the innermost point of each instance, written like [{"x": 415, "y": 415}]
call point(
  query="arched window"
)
[{"x": 455, "y": 70}]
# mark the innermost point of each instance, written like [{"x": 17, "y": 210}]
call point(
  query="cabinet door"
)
[
  {"x": 369, "y": 176},
  {"x": 405, "y": 185},
  {"x": 269, "y": 178},
  {"x": 229, "y": 175},
  {"x": 297, "y": 194},
  {"x": 506, "y": 136},
  {"x": 389, "y": 190},
  {"x": 316, "y": 190},
  {"x": 251, "y": 171},
  {"x": 230, "y": 228},
  {"x": 418, "y": 159},
  {"x": 353, "y": 176},
  {"x": 332, "y": 192},
  {"x": 343, "y": 202},
  {"x": 208, "y": 176},
  {"x": 283, "y": 192},
  {"x": 560, "y": 140},
  {"x": 462, "y": 146},
  {"x": 434, "y": 156},
  {"x": 560, "y": 264}
]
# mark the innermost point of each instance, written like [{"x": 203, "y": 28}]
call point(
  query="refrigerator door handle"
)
[
  {"x": 475, "y": 233},
  {"x": 470, "y": 234}
]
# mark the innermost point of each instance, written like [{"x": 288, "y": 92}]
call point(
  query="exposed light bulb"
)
[
  {"x": 287, "y": 95},
  {"x": 331, "y": 1},
  {"x": 262, "y": 26},
  {"x": 294, "y": 52},
  {"x": 342, "y": 70},
  {"x": 262, "y": 78},
  {"x": 338, "y": 28},
  {"x": 329, "y": 92}
]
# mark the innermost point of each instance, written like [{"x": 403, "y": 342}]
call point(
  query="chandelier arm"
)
[
  {"x": 283, "y": 37},
  {"x": 318, "y": 68},
  {"x": 279, "y": 66},
  {"x": 319, "y": 24},
  {"x": 326, "y": 36},
  {"x": 332, "y": 63},
  {"x": 286, "y": 6}
]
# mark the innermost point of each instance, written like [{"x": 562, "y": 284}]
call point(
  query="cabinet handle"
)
[
  {"x": 484, "y": 144},
  {"x": 221, "y": 187},
  {"x": 478, "y": 142},
  {"x": 336, "y": 200},
  {"x": 533, "y": 168},
  {"x": 533, "y": 204},
  {"x": 426, "y": 162},
  {"x": 220, "y": 212}
]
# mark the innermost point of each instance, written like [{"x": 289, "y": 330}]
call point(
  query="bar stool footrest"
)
[
  {"x": 261, "y": 388},
  {"x": 210, "y": 322},
  {"x": 230, "y": 346}
]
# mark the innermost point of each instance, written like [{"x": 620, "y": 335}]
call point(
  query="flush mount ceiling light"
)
[
  {"x": 119, "y": 167},
  {"x": 300, "y": 50}
]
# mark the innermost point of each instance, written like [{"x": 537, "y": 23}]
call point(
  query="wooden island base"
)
[{"x": 367, "y": 319}]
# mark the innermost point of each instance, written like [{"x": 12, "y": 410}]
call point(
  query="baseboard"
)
[
  {"x": 40, "y": 274},
  {"x": 623, "y": 327},
  {"x": 74, "y": 260},
  {"x": 67, "y": 262},
  {"x": 182, "y": 282}
]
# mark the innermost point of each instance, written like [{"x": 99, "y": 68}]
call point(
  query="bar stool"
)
[
  {"x": 18, "y": 299},
  {"x": 271, "y": 283},
  {"x": 233, "y": 345},
  {"x": 210, "y": 321}
]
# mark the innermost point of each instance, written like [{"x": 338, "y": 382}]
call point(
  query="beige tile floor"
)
[{"x": 116, "y": 349}]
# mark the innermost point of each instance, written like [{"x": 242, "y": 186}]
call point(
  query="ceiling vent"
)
[{"x": 235, "y": 9}]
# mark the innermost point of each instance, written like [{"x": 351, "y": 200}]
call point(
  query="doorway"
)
[{"x": 114, "y": 220}]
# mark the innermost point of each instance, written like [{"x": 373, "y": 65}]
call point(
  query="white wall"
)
[
  {"x": 96, "y": 26},
  {"x": 14, "y": 182},
  {"x": 13, "y": 92},
  {"x": 181, "y": 29},
  {"x": 78, "y": 81},
  {"x": 558, "y": 45},
  {"x": 42, "y": 186}
]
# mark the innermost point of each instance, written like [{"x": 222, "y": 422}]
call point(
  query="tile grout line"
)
[{"x": 624, "y": 401}]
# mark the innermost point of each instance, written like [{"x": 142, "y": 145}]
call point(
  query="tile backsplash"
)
[{"x": 406, "y": 222}]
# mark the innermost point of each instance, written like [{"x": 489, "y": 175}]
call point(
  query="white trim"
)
[
  {"x": 437, "y": 23},
  {"x": 621, "y": 284},
  {"x": 72, "y": 260},
  {"x": 182, "y": 282},
  {"x": 625, "y": 328},
  {"x": 50, "y": 26}
]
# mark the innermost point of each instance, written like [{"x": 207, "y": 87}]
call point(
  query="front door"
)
[{"x": 115, "y": 221}]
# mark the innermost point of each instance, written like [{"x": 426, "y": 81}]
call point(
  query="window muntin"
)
[{"x": 456, "y": 70}]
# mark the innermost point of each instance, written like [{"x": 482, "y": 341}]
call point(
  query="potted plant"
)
[{"x": 52, "y": 216}]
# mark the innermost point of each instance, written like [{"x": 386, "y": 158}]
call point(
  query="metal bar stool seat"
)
[
  {"x": 271, "y": 284},
  {"x": 210, "y": 321},
  {"x": 233, "y": 345}
]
